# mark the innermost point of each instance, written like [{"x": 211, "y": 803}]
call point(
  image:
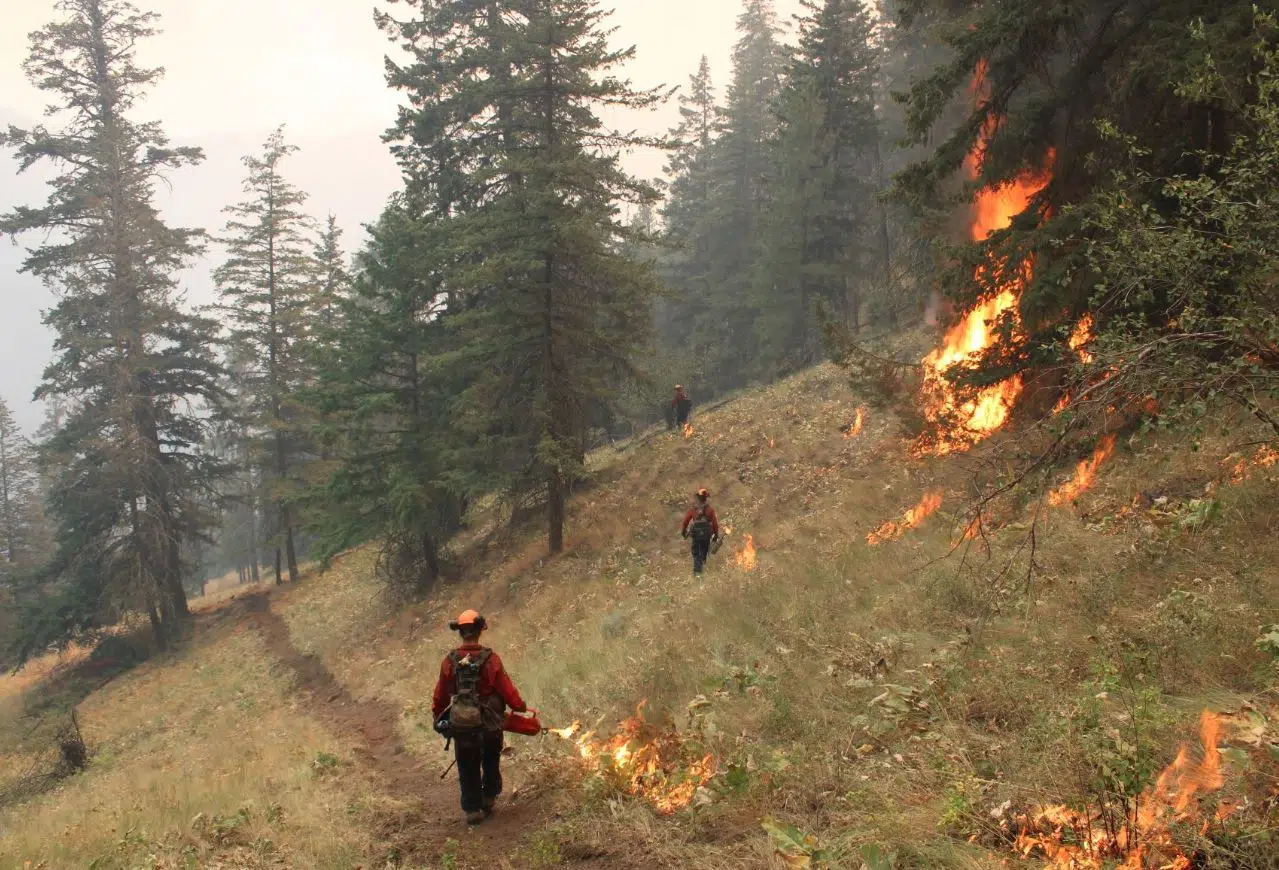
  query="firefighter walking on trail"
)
[
  {"x": 471, "y": 697},
  {"x": 702, "y": 526}
]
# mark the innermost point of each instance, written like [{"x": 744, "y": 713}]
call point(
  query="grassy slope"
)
[{"x": 866, "y": 694}]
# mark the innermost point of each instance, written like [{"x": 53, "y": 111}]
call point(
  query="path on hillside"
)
[{"x": 430, "y": 812}]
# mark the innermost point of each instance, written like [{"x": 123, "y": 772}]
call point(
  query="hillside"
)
[{"x": 918, "y": 696}]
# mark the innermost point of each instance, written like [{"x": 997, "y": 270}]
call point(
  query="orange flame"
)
[
  {"x": 963, "y": 424},
  {"x": 745, "y": 558},
  {"x": 1265, "y": 457},
  {"x": 1080, "y": 840},
  {"x": 891, "y": 531},
  {"x": 1081, "y": 337},
  {"x": 689, "y": 430},
  {"x": 1085, "y": 473},
  {"x": 653, "y": 769},
  {"x": 856, "y": 428}
]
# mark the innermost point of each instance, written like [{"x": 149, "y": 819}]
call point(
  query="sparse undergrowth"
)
[{"x": 879, "y": 706}]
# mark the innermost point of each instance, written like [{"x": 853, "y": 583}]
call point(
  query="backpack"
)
[
  {"x": 700, "y": 528},
  {"x": 468, "y": 712}
]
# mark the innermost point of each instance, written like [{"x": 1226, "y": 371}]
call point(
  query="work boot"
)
[
  {"x": 489, "y": 803},
  {"x": 475, "y": 817}
]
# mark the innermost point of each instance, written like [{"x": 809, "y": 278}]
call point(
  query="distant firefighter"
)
[
  {"x": 702, "y": 526},
  {"x": 683, "y": 406}
]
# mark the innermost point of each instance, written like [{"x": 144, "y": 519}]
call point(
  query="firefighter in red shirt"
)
[
  {"x": 473, "y": 692},
  {"x": 702, "y": 525}
]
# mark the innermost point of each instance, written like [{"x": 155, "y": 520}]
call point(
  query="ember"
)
[
  {"x": 1085, "y": 473},
  {"x": 654, "y": 769},
  {"x": 891, "y": 531}
]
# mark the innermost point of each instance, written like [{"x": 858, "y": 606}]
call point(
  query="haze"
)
[{"x": 235, "y": 69}]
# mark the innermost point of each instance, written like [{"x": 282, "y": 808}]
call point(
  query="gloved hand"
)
[{"x": 684, "y": 535}]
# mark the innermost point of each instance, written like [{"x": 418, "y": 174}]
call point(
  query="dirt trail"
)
[{"x": 430, "y": 814}]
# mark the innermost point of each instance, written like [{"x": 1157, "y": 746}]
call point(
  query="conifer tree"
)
[
  {"x": 131, "y": 363},
  {"x": 268, "y": 293},
  {"x": 333, "y": 280},
  {"x": 725, "y": 336},
  {"x": 385, "y": 412},
  {"x": 504, "y": 146},
  {"x": 819, "y": 249},
  {"x": 19, "y": 495}
]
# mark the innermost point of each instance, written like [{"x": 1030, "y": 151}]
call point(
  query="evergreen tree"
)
[
  {"x": 385, "y": 412},
  {"x": 1058, "y": 82},
  {"x": 19, "y": 497},
  {"x": 687, "y": 265},
  {"x": 268, "y": 293},
  {"x": 820, "y": 248},
  {"x": 725, "y": 336},
  {"x": 131, "y": 364},
  {"x": 333, "y": 280},
  {"x": 502, "y": 144}
]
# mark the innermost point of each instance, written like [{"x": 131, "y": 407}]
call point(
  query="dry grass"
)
[{"x": 848, "y": 688}]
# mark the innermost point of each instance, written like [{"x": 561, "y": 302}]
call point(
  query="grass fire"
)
[{"x": 656, "y": 767}]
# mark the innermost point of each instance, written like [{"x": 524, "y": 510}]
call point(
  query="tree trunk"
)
[
  {"x": 157, "y": 626},
  {"x": 290, "y": 552},
  {"x": 278, "y": 565},
  {"x": 555, "y": 511}
]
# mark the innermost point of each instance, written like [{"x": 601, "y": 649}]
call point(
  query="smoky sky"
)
[{"x": 236, "y": 69}]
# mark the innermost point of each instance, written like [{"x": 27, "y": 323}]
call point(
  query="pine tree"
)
[
  {"x": 19, "y": 497},
  {"x": 385, "y": 412},
  {"x": 504, "y": 146},
  {"x": 333, "y": 279},
  {"x": 686, "y": 266},
  {"x": 822, "y": 238},
  {"x": 130, "y": 363},
  {"x": 725, "y": 314},
  {"x": 1058, "y": 82},
  {"x": 268, "y": 293}
]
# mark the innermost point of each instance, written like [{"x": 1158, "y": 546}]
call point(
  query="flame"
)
[
  {"x": 1085, "y": 473},
  {"x": 1081, "y": 840},
  {"x": 654, "y": 769},
  {"x": 891, "y": 531},
  {"x": 964, "y": 423},
  {"x": 1063, "y": 403},
  {"x": 745, "y": 558},
  {"x": 689, "y": 430},
  {"x": 856, "y": 428},
  {"x": 1265, "y": 457},
  {"x": 1081, "y": 337}
]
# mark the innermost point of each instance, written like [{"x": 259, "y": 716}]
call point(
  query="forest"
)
[
  {"x": 522, "y": 299},
  {"x": 976, "y": 305}
]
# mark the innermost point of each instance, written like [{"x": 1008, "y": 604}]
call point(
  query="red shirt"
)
[
  {"x": 493, "y": 681},
  {"x": 710, "y": 515},
  {"x": 679, "y": 395}
]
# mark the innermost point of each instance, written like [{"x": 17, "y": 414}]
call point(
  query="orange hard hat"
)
[
  {"x": 703, "y": 493},
  {"x": 679, "y": 386},
  {"x": 468, "y": 618}
]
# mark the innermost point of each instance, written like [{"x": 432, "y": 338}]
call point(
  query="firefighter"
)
[
  {"x": 471, "y": 697},
  {"x": 702, "y": 525},
  {"x": 683, "y": 406}
]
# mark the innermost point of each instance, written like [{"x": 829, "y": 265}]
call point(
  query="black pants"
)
[
  {"x": 479, "y": 769},
  {"x": 701, "y": 550},
  {"x": 682, "y": 409}
]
